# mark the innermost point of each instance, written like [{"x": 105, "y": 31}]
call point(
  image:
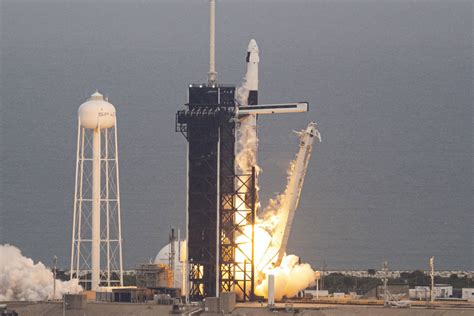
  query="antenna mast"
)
[{"x": 212, "y": 75}]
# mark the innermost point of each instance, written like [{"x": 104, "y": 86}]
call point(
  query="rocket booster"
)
[
  {"x": 251, "y": 76},
  {"x": 247, "y": 95},
  {"x": 294, "y": 188}
]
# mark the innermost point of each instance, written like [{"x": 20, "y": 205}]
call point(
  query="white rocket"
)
[
  {"x": 251, "y": 76},
  {"x": 248, "y": 110},
  {"x": 247, "y": 95},
  {"x": 294, "y": 188}
]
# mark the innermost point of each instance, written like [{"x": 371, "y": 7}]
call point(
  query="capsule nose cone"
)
[{"x": 253, "y": 47}]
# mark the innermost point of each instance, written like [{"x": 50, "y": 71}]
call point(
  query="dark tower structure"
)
[
  {"x": 209, "y": 109},
  {"x": 214, "y": 193},
  {"x": 220, "y": 203}
]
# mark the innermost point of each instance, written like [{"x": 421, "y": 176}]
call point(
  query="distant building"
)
[
  {"x": 315, "y": 293},
  {"x": 153, "y": 276},
  {"x": 443, "y": 291},
  {"x": 424, "y": 292},
  {"x": 421, "y": 293},
  {"x": 468, "y": 294},
  {"x": 394, "y": 289},
  {"x": 131, "y": 295},
  {"x": 379, "y": 274}
]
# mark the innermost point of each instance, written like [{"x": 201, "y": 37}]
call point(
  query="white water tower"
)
[{"x": 96, "y": 256}]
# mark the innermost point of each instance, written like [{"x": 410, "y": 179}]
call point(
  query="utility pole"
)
[
  {"x": 385, "y": 280},
  {"x": 55, "y": 261},
  {"x": 432, "y": 296},
  {"x": 322, "y": 275},
  {"x": 317, "y": 289},
  {"x": 172, "y": 257},
  {"x": 318, "y": 277}
]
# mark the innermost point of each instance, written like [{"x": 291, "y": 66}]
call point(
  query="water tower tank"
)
[
  {"x": 97, "y": 198},
  {"x": 97, "y": 112}
]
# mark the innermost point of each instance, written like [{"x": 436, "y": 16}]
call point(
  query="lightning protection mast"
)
[{"x": 212, "y": 75}]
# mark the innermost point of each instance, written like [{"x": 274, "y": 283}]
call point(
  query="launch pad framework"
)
[{"x": 221, "y": 200}]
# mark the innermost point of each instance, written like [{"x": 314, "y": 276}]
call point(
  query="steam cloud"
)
[
  {"x": 23, "y": 280},
  {"x": 290, "y": 278},
  {"x": 247, "y": 141}
]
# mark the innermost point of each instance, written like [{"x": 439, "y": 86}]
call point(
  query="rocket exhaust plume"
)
[
  {"x": 23, "y": 280},
  {"x": 273, "y": 226},
  {"x": 272, "y": 230}
]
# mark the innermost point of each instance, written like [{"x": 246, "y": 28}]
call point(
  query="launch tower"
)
[
  {"x": 213, "y": 191},
  {"x": 220, "y": 202}
]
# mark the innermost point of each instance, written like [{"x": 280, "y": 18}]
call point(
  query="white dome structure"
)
[
  {"x": 97, "y": 112},
  {"x": 163, "y": 257}
]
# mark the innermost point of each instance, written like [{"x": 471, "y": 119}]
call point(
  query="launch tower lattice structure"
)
[
  {"x": 221, "y": 204},
  {"x": 215, "y": 194},
  {"x": 96, "y": 248}
]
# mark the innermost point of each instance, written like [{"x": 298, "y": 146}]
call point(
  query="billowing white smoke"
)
[
  {"x": 269, "y": 220},
  {"x": 23, "y": 280},
  {"x": 246, "y": 157},
  {"x": 290, "y": 276},
  {"x": 243, "y": 93},
  {"x": 247, "y": 141}
]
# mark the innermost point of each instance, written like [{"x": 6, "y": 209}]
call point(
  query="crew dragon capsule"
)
[
  {"x": 249, "y": 103},
  {"x": 252, "y": 72}
]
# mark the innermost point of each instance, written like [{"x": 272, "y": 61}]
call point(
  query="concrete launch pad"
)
[{"x": 242, "y": 309}]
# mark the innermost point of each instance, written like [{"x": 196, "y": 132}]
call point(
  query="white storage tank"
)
[{"x": 97, "y": 112}]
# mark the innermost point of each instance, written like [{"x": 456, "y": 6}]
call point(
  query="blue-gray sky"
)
[{"x": 390, "y": 84}]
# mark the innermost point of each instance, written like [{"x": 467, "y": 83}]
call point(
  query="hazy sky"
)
[{"x": 389, "y": 83}]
